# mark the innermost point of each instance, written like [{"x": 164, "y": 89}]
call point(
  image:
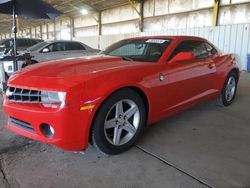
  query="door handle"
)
[{"x": 211, "y": 65}]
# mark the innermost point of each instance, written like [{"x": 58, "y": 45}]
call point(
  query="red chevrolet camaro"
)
[{"x": 108, "y": 99}]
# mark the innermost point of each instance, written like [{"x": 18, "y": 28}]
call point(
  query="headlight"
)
[{"x": 53, "y": 98}]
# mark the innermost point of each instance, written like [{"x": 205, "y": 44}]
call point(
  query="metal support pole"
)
[
  {"x": 99, "y": 23},
  {"x": 216, "y": 12},
  {"x": 17, "y": 23},
  {"x": 30, "y": 31},
  {"x": 142, "y": 15},
  {"x": 14, "y": 31},
  {"x": 72, "y": 28},
  {"x": 35, "y": 33},
  {"x": 139, "y": 12},
  {"x": 47, "y": 31},
  {"x": 55, "y": 37},
  {"x": 41, "y": 32}
]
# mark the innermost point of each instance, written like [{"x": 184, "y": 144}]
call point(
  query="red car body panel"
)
[{"x": 89, "y": 81}]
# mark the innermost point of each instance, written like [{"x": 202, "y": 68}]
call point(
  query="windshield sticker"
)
[{"x": 157, "y": 41}]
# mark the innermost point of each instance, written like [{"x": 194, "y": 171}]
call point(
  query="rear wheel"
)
[
  {"x": 230, "y": 88},
  {"x": 119, "y": 122}
]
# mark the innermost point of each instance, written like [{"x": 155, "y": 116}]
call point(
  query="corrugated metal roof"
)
[{"x": 70, "y": 8}]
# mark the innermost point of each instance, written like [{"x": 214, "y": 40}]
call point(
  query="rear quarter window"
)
[
  {"x": 200, "y": 49},
  {"x": 74, "y": 46}
]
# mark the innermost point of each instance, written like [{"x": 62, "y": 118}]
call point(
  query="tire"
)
[
  {"x": 229, "y": 90},
  {"x": 118, "y": 122}
]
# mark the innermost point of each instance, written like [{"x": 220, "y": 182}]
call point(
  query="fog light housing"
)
[{"x": 47, "y": 130}]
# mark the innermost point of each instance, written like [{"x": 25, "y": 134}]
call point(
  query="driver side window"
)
[{"x": 56, "y": 47}]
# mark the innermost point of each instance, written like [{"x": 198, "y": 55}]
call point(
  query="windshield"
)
[
  {"x": 37, "y": 46},
  {"x": 146, "y": 50}
]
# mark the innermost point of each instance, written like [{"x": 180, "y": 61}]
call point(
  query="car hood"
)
[
  {"x": 72, "y": 70},
  {"x": 76, "y": 66}
]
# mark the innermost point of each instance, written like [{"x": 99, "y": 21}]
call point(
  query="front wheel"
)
[
  {"x": 119, "y": 122},
  {"x": 230, "y": 88}
]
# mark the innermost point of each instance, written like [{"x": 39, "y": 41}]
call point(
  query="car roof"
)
[
  {"x": 52, "y": 41},
  {"x": 23, "y": 39},
  {"x": 179, "y": 37}
]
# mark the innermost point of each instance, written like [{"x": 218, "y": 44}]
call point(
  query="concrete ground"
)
[{"x": 207, "y": 146}]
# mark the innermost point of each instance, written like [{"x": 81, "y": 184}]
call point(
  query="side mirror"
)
[
  {"x": 182, "y": 56},
  {"x": 45, "y": 50},
  {"x": 213, "y": 51}
]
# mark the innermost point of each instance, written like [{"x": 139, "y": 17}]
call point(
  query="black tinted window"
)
[
  {"x": 56, "y": 47},
  {"x": 74, "y": 46},
  {"x": 33, "y": 42},
  {"x": 21, "y": 42},
  {"x": 29, "y": 42},
  {"x": 26, "y": 42},
  {"x": 198, "y": 48}
]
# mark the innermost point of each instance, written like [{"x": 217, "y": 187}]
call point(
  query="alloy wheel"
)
[
  {"x": 122, "y": 122},
  {"x": 230, "y": 88}
]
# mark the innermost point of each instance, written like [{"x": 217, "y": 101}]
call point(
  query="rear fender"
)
[{"x": 226, "y": 64}]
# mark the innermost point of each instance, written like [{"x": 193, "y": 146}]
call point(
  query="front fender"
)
[{"x": 99, "y": 89}]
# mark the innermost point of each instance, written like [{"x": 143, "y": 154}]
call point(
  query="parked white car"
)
[{"x": 53, "y": 50}]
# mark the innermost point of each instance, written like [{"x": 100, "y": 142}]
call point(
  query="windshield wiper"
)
[{"x": 127, "y": 58}]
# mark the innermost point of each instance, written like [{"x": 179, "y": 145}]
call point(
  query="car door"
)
[
  {"x": 210, "y": 67},
  {"x": 74, "y": 49},
  {"x": 189, "y": 81},
  {"x": 55, "y": 51}
]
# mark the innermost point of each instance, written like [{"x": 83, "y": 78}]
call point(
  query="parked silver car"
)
[{"x": 53, "y": 50}]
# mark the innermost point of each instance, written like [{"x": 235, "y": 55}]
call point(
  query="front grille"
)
[
  {"x": 23, "y": 95},
  {"x": 21, "y": 124}
]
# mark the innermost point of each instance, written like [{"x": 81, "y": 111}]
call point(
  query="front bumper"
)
[{"x": 70, "y": 124}]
